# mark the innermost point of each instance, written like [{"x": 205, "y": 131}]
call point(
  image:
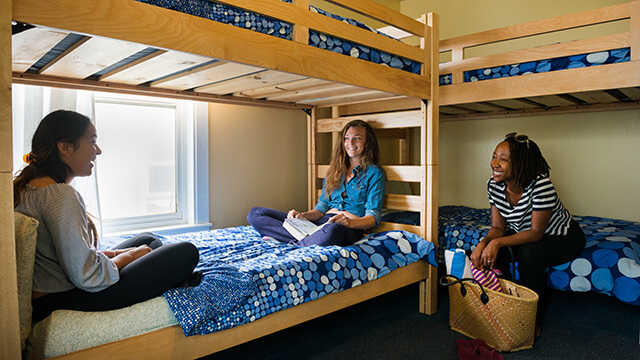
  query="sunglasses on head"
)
[{"x": 521, "y": 138}]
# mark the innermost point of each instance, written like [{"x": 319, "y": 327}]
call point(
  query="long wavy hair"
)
[
  {"x": 340, "y": 162},
  {"x": 44, "y": 159},
  {"x": 527, "y": 162}
]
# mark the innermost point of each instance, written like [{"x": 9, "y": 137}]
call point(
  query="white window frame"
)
[
  {"x": 38, "y": 101},
  {"x": 192, "y": 202}
]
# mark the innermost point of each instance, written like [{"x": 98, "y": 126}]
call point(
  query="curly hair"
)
[
  {"x": 340, "y": 163},
  {"x": 527, "y": 161}
]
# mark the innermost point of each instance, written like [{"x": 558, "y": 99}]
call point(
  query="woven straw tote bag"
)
[{"x": 503, "y": 321}]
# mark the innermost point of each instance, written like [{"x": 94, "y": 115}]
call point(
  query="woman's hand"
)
[
  {"x": 476, "y": 255},
  {"x": 115, "y": 252},
  {"x": 140, "y": 251},
  {"x": 485, "y": 254},
  {"x": 127, "y": 256},
  {"x": 489, "y": 255},
  {"x": 294, "y": 214},
  {"x": 341, "y": 219},
  {"x": 311, "y": 215}
]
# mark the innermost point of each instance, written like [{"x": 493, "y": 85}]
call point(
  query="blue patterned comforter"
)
[
  {"x": 246, "y": 278},
  {"x": 546, "y": 65},
  {"x": 247, "y": 20},
  {"x": 609, "y": 264}
]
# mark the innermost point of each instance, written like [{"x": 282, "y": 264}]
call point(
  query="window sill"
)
[{"x": 166, "y": 230}]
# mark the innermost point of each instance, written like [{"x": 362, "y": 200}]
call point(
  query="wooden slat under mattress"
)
[
  {"x": 260, "y": 80},
  {"x": 632, "y": 93},
  {"x": 88, "y": 56},
  {"x": 157, "y": 65},
  {"x": 29, "y": 46},
  {"x": 211, "y": 73}
]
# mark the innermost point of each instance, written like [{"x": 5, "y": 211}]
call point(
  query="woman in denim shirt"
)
[{"x": 352, "y": 195}]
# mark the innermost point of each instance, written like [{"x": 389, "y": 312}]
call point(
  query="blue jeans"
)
[{"x": 268, "y": 222}]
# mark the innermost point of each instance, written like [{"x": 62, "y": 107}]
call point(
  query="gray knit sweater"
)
[{"x": 65, "y": 255}]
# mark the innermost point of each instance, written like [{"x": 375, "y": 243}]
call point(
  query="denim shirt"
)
[{"x": 363, "y": 194}]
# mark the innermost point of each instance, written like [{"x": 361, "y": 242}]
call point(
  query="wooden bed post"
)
[
  {"x": 429, "y": 159},
  {"x": 9, "y": 321},
  {"x": 301, "y": 33},
  {"x": 312, "y": 159},
  {"x": 635, "y": 30}
]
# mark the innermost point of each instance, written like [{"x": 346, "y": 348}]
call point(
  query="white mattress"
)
[{"x": 66, "y": 331}]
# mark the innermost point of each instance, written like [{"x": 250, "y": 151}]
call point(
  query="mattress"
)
[
  {"x": 546, "y": 65},
  {"x": 67, "y": 331},
  {"x": 609, "y": 264},
  {"x": 245, "y": 278},
  {"x": 247, "y": 20}
]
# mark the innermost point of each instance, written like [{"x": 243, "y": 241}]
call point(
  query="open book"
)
[{"x": 301, "y": 228}]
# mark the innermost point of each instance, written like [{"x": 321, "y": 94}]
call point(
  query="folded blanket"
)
[{"x": 221, "y": 290}]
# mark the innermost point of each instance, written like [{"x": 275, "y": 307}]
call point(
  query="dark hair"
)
[
  {"x": 44, "y": 159},
  {"x": 527, "y": 161},
  {"x": 340, "y": 163}
]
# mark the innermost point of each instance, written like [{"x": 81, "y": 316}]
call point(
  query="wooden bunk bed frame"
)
[
  {"x": 237, "y": 66},
  {"x": 597, "y": 88}
]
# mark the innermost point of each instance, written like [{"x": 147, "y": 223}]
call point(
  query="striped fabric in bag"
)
[{"x": 488, "y": 278}]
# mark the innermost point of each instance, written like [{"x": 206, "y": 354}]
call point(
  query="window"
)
[{"x": 154, "y": 157}]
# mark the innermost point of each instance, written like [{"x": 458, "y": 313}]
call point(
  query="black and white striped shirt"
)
[{"x": 540, "y": 195}]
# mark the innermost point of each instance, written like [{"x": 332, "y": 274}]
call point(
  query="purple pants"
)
[{"x": 268, "y": 222}]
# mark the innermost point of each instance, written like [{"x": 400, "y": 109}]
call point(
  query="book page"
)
[{"x": 303, "y": 225}]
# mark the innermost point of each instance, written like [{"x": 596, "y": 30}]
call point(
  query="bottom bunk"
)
[
  {"x": 609, "y": 263},
  {"x": 251, "y": 287}
]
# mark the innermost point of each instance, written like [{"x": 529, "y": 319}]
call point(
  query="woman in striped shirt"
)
[{"x": 526, "y": 216}]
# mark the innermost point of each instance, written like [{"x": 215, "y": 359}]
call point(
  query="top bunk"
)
[
  {"x": 539, "y": 67},
  {"x": 282, "y": 53}
]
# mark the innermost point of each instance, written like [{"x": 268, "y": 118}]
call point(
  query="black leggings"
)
[
  {"x": 166, "y": 267},
  {"x": 534, "y": 258}
]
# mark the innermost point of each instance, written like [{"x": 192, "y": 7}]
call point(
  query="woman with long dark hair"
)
[
  {"x": 527, "y": 216},
  {"x": 69, "y": 271},
  {"x": 351, "y": 199}
]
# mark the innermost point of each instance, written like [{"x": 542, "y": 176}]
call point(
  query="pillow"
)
[{"x": 25, "y": 230}]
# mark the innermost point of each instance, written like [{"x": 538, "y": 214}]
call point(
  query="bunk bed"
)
[
  {"x": 597, "y": 73},
  {"x": 600, "y": 72},
  {"x": 150, "y": 48}
]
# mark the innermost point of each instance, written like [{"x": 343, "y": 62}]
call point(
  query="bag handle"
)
[{"x": 463, "y": 291}]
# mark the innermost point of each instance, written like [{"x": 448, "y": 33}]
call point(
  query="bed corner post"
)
[
  {"x": 635, "y": 30},
  {"x": 312, "y": 168},
  {"x": 9, "y": 320},
  {"x": 429, "y": 220}
]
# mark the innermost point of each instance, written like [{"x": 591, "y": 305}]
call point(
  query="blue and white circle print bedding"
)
[
  {"x": 256, "y": 22},
  {"x": 609, "y": 264},
  {"x": 543, "y": 66},
  {"x": 247, "y": 278}
]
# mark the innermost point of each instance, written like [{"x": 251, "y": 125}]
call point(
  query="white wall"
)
[
  {"x": 257, "y": 157},
  {"x": 593, "y": 159},
  {"x": 462, "y": 17}
]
